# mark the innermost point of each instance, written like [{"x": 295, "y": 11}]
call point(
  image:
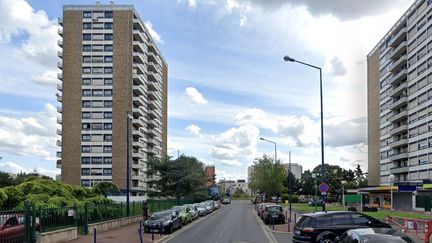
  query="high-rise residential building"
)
[
  {"x": 296, "y": 169},
  {"x": 400, "y": 100},
  {"x": 113, "y": 92},
  {"x": 209, "y": 171}
]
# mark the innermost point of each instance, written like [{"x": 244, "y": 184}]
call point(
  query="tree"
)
[
  {"x": 5, "y": 179},
  {"x": 358, "y": 174},
  {"x": 186, "y": 171},
  {"x": 267, "y": 176},
  {"x": 105, "y": 189}
]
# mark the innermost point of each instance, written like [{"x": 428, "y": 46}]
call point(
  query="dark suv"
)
[{"x": 326, "y": 226}]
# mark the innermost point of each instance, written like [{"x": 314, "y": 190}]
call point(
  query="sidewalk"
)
[{"x": 127, "y": 234}]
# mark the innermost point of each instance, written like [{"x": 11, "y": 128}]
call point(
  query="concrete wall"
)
[
  {"x": 62, "y": 235},
  {"x": 373, "y": 119},
  {"x": 113, "y": 224}
]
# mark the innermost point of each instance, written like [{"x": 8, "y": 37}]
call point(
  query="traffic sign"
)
[{"x": 324, "y": 187}]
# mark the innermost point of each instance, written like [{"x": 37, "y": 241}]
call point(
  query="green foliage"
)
[
  {"x": 3, "y": 196},
  {"x": 294, "y": 198},
  {"x": 47, "y": 192},
  {"x": 105, "y": 188},
  {"x": 5, "y": 179},
  {"x": 267, "y": 176},
  {"x": 186, "y": 171}
]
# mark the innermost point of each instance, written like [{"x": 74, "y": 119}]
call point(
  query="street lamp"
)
[
  {"x": 343, "y": 192},
  {"x": 275, "y": 153},
  {"x": 290, "y": 59},
  {"x": 391, "y": 179},
  {"x": 129, "y": 118}
]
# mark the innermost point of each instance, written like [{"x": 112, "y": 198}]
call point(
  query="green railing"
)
[{"x": 54, "y": 218}]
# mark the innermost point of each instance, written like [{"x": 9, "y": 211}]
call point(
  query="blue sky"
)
[{"x": 228, "y": 84}]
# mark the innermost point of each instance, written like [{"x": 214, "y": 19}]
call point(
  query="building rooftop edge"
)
[
  {"x": 115, "y": 7},
  {"x": 404, "y": 16}
]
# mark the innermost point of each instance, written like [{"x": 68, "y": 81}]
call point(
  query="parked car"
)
[
  {"x": 273, "y": 213},
  {"x": 193, "y": 210},
  {"x": 262, "y": 207},
  {"x": 168, "y": 221},
  {"x": 201, "y": 209},
  {"x": 217, "y": 204},
  {"x": 257, "y": 200},
  {"x": 185, "y": 214},
  {"x": 12, "y": 227},
  {"x": 208, "y": 207},
  {"x": 211, "y": 203},
  {"x": 381, "y": 235},
  {"x": 318, "y": 227},
  {"x": 226, "y": 200},
  {"x": 315, "y": 202}
]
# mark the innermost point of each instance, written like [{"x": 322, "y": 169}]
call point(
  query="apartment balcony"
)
[
  {"x": 399, "y": 116},
  {"x": 138, "y": 101},
  {"x": 59, "y": 154},
  {"x": 60, "y": 32},
  {"x": 60, "y": 64},
  {"x": 139, "y": 166},
  {"x": 60, "y": 76},
  {"x": 59, "y": 87},
  {"x": 398, "y": 90},
  {"x": 138, "y": 144},
  {"x": 60, "y": 42},
  {"x": 398, "y": 37},
  {"x": 139, "y": 57},
  {"x": 139, "y": 68},
  {"x": 155, "y": 104},
  {"x": 399, "y": 76},
  {"x": 139, "y": 79},
  {"x": 59, "y": 109},
  {"x": 59, "y": 120},
  {"x": 399, "y": 170},
  {"x": 402, "y": 101},
  {"x": 398, "y": 130},
  {"x": 60, "y": 21},
  {"x": 398, "y": 51},
  {"x": 154, "y": 76},
  {"x": 152, "y": 67},
  {"x": 138, "y": 46},
  {"x": 58, "y": 164},
  {"x": 60, "y": 54},
  {"x": 152, "y": 114},
  {"x": 152, "y": 47},
  {"x": 58, "y": 143},
  {"x": 139, "y": 35},
  {"x": 138, "y": 154},
  {"x": 139, "y": 90},
  {"x": 154, "y": 95},
  {"x": 399, "y": 156},
  {"x": 139, "y": 122},
  {"x": 138, "y": 111},
  {"x": 398, "y": 64},
  {"x": 59, "y": 132},
  {"x": 59, "y": 98},
  {"x": 399, "y": 143}
]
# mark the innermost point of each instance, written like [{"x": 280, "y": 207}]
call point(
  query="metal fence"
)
[{"x": 22, "y": 225}]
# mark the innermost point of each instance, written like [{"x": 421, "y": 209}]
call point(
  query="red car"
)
[
  {"x": 12, "y": 227},
  {"x": 262, "y": 208}
]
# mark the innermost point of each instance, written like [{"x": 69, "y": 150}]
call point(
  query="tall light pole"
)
[
  {"x": 290, "y": 59},
  {"x": 275, "y": 153},
  {"x": 289, "y": 186},
  {"x": 129, "y": 118},
  {"x": 391, "y": 178},
  {"x": 343, "y": 192}
]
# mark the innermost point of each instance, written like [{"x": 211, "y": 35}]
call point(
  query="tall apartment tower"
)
[
  {"x": 400, "y": 100},
  {"x": 113, "y": 88}
]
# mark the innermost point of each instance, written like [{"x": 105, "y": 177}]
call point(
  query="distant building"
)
[
  {"x": 296, "y": 169},
  {"x": 231, "y": 186},
  {"x": 209, "y": 171}
]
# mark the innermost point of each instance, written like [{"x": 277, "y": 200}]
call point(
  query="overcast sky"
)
[{"x": 228, "y": 83}]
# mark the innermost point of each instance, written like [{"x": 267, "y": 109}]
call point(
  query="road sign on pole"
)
[{"x": 324, "y": 187}]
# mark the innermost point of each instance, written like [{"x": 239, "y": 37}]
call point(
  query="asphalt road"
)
[{"x": 234, "y": 223}]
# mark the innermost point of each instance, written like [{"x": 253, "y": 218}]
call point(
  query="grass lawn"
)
[{"x": 381, "y": 215}]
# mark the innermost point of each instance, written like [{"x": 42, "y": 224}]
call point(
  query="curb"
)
[
  {"x": 267, "y": 233},
  {"x": 166, "y": 238}
]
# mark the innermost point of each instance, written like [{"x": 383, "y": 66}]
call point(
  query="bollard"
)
[
  {"x": 160, "y": 229},
  {"x": 140, "y": 225},
  {"x": 140, "y": 235},
  {"x": 94, "y": 235},
  {"x": 152, "y": 230}
]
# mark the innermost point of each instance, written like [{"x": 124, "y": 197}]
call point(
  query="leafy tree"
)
[
  {"x": 267, "y": 176},
  {"x": 5, "y": 179},
  {"x": 358, "y": 174},
  {"x": 105, "y": 189},
  {"x": 186, "y": 172}
]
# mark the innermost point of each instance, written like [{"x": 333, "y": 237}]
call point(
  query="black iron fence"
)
[{"x": 25, "y": 224}]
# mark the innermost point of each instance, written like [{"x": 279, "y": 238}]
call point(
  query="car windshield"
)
[
  {"x": 274, "y": 209},
  {"x": 159, "y": 215}
]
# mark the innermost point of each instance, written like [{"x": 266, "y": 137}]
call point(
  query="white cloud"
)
[
  {"x": 33, "y": 135},
  {"x": 174, "y": 146},
  {"x": 236, "y": 144},
  {"x": 191, "y": 3},
  {"x": 242, "y": 8},
  {"x": 155, "y": 35},
  {"x": 195, "y": 96},
  {"x": 335, "y": 67},
  {"x": 15, "y": 168},
  {"x": 193, "y": 129},
  {"x": 46, "y": 78}
]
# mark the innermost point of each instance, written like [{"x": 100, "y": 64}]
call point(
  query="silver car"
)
[{"x": 201, "y": 207}]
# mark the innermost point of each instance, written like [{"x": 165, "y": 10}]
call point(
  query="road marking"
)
[{"x": 221, "y": 233}]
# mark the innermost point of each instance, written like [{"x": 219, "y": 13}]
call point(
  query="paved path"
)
[{"x": 234, "y": 223}]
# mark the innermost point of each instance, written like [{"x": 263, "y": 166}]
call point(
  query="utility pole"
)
[
  {"x": 289, "y": 186},
  {"x": 178, "y": 178}
]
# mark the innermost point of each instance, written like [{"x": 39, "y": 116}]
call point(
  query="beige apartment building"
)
[
  {"x": 112, "y": 77},
  {"x": 400, "y": 101}
]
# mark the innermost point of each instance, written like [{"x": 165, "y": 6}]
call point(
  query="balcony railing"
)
[
  {"x": 399, "y": 129},
  {"x": 399, "y": 156},
  {"x": 398, "y": 116},
  {"x": 398, "y": 143},
  {"x": 402, "y": 74},
  {"x": 399, "y": 170}
]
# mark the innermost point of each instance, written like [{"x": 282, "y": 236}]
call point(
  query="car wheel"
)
[
  {"x": 326, "y": 239},
  {"x": 170, "y": 229}
]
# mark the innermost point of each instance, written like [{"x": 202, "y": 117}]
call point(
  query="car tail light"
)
[{"x": 308, "y": 230}]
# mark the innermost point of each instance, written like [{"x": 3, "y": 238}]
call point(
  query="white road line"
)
[{"x": 221, "y": 233}]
